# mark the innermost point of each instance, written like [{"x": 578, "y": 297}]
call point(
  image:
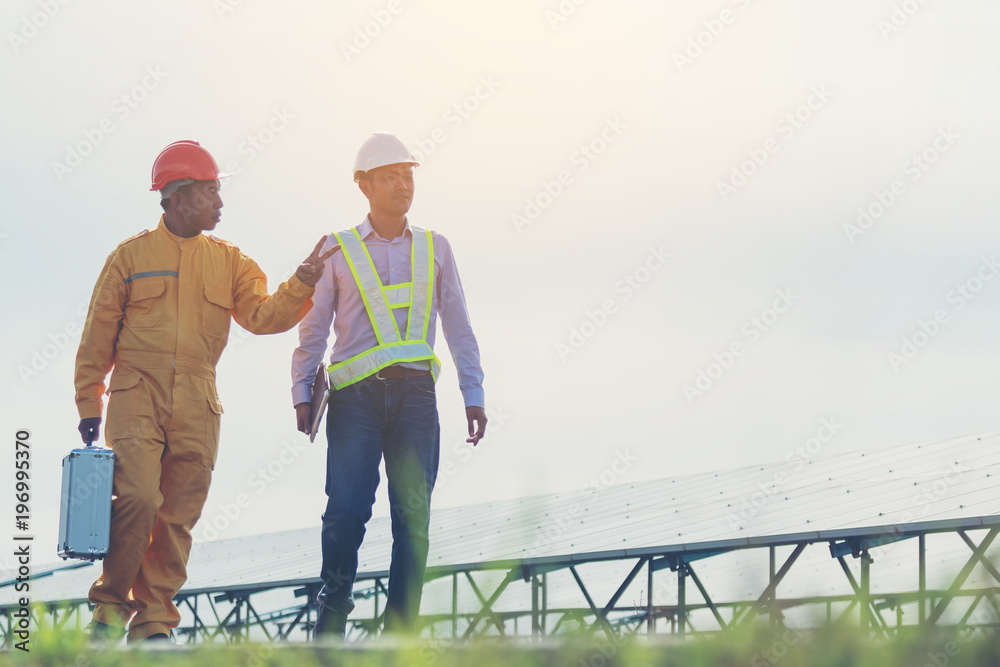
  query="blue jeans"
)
[{"x": 370, "y": 419}]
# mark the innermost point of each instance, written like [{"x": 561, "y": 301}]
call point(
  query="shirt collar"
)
[
  {"x": 365, "y": 229},
  {"x": 179, "y": 240}
]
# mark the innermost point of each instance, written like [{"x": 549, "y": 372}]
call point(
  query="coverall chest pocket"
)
[
  {"x": 217, "y": 311},
  {"x": 145, "y": 303}
]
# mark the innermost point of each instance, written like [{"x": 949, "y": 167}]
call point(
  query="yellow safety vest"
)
[{"x": 380, "y": 302}]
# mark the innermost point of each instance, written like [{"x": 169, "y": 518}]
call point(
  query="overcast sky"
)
[{"x": 689, "y": 232}]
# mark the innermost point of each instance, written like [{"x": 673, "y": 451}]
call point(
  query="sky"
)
[{"x": 692, "y": 235}]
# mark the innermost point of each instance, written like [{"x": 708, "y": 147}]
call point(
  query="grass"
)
[{"x": 825, "y": 647}]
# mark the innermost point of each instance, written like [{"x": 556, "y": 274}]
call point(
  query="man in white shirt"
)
[{"x": 382, "y": 295}]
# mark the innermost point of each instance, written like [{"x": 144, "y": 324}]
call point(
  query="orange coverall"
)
[{"x": 160, "y": 315}]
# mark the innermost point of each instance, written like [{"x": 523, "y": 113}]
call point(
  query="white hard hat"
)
[{"x": 380, "y": 149}]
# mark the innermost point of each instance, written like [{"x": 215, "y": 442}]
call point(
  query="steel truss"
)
[{"x": 229, "y": 615}]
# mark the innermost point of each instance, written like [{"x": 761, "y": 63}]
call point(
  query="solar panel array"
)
[{"x": 906, "y": 484}]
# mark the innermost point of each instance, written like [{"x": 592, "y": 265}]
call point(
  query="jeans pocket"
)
[{"x": 424, "y": 385}]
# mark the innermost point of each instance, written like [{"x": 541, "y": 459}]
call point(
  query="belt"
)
[
  {"x": 143, "y": 360},
  {"x": 399, "y": 373}
]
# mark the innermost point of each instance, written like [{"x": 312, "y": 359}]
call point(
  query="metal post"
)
[
  {"x": 454, "y": 605},
  {"x": 681, "y": 604},
  {"x": 545, "y": 599},
  {"x": 771, "y": 569},
  {"x": 650, "y": 621},
  {"x": 375, "y": 619},
  {"x": 922, "y": 569},
  {"x": 865, "y": 592},
  {"x": 535, "y": 622}
]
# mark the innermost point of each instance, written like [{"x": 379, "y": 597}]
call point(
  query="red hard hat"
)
[{"x": 184, "y": 159}]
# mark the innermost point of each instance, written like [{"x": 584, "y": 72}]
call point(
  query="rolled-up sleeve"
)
[{"x": 314, "y": 331}]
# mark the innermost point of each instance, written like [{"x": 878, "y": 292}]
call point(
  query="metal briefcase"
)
[{"x": 85, "y": 507}]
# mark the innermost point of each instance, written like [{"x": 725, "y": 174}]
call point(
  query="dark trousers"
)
[{"x": 396, "y": 419}]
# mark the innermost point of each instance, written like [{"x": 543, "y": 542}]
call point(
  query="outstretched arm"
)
[{"x": 261, "y": 313}]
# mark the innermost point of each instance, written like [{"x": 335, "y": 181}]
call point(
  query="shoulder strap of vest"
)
[
  {"x": 422, "y": 267},
  {"x": 363, "y": 271}
]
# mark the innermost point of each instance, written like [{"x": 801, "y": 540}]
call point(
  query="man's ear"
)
[
  {"x": 181, "y": 202},
  {"x": 365, "y": 187},
  {"x": 176, "y": 197}
]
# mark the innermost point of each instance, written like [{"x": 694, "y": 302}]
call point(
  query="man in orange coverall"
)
[{"x": 160, "y": 316}]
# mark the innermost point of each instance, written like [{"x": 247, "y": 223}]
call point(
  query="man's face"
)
[
  {"x": 200, "y": 205},
  {"x": 390, "y": 189}
]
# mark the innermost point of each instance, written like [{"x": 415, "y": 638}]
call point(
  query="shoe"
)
[
  {"x": 330, "y": 624},
  {"x": 102, "y": 632},
  {"x": 155, "y": 638}
]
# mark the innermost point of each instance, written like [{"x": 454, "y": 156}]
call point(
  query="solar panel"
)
[{"x": 907, "y": 484}]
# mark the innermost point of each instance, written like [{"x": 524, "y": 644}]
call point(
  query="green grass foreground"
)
[{"x": 753, "y": 648}]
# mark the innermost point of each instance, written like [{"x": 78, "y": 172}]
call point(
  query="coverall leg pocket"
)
[
  {"x": 213, "y": 426},
  {"x": 126, "y": 390}
]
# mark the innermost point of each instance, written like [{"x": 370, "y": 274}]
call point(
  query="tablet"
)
[{"x": 320, "y": 395}]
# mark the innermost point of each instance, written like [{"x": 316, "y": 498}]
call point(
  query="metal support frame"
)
[
  {"x": 230, "y": 615},
  {"x": 976, "y": 557}
]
